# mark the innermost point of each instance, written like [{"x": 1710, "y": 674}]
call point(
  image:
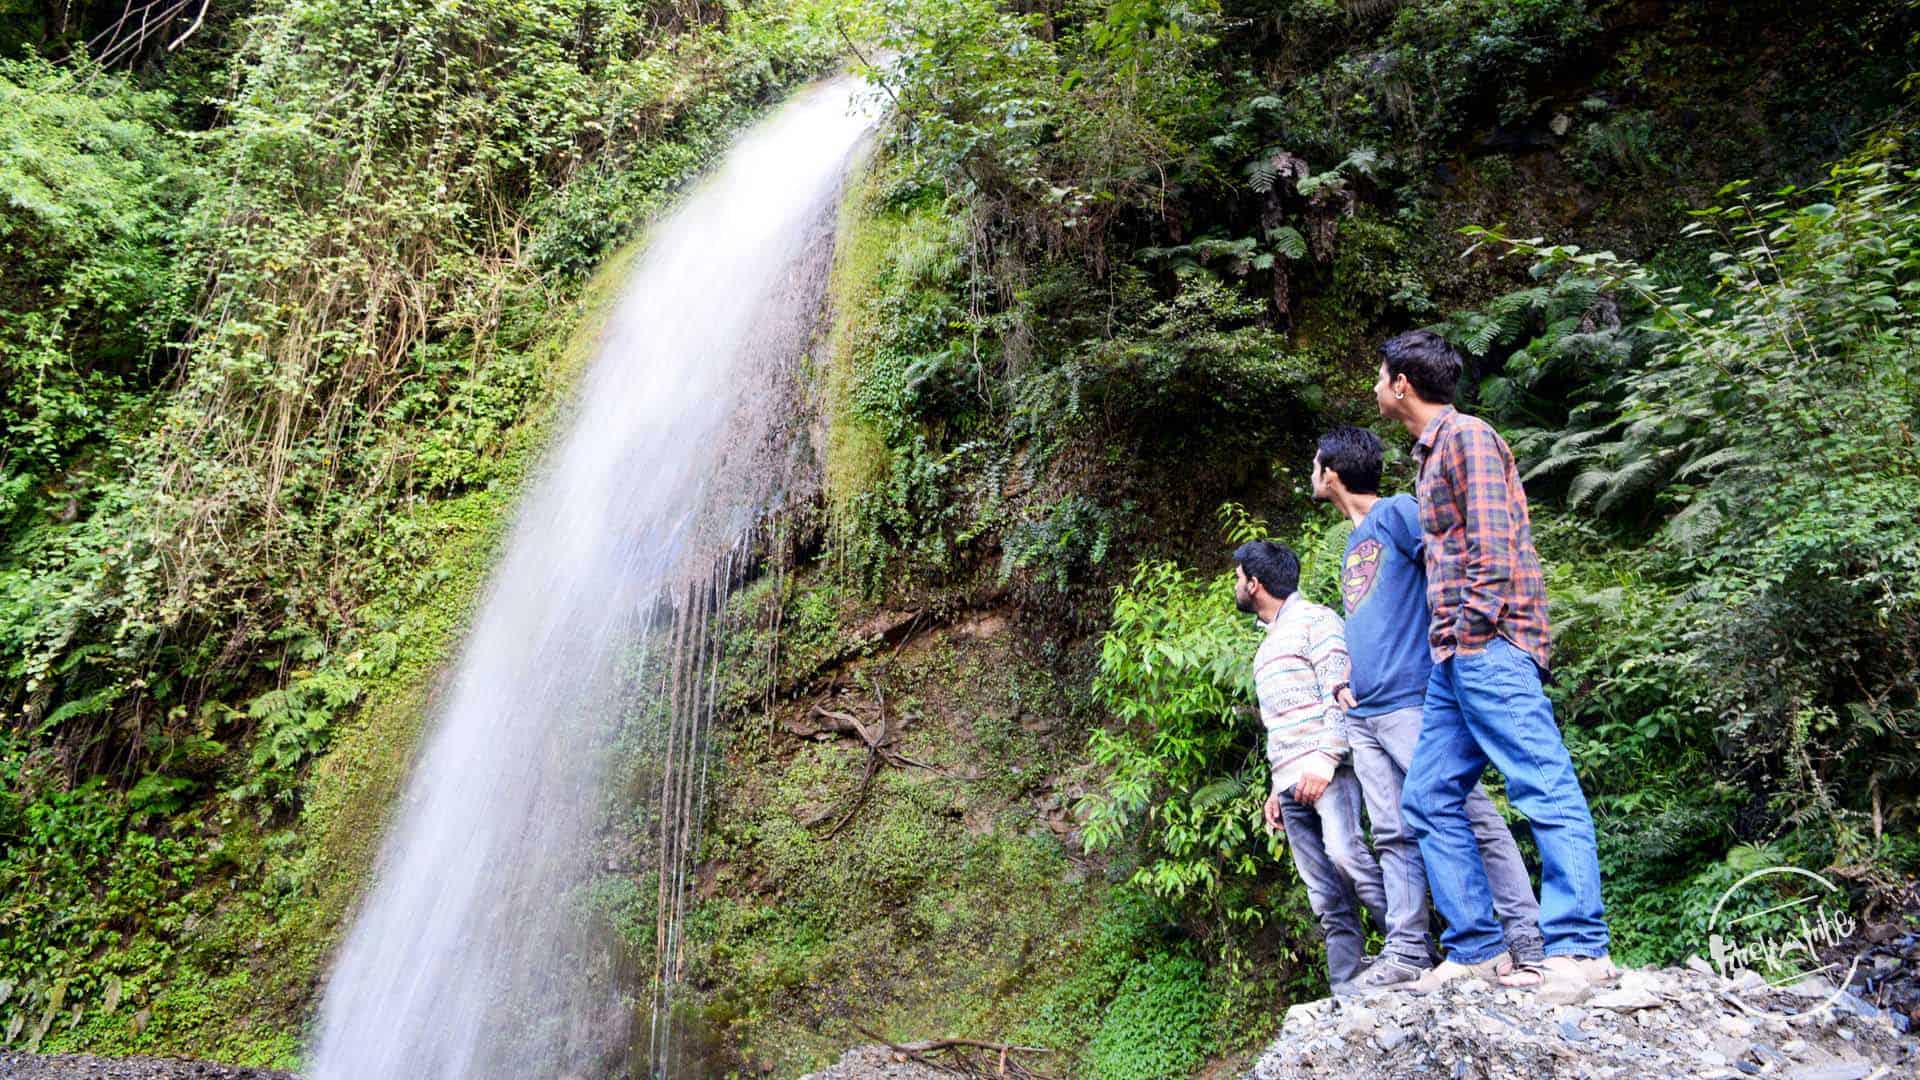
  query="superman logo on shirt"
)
[{"x": 1357, "y": 575}]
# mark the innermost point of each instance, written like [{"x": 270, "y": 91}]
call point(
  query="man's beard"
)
[{"x": 1244, "y": 601}]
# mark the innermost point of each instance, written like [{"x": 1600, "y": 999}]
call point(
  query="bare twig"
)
[
  {"x": 957, "y": 1059},
  {"x": 191, "y": 30}
]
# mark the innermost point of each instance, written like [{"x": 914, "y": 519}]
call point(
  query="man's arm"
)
[
  {"x": 1403, "y": 528},
  {"x": 1332, "y": 667},
  {"x": 1327, "y": 653},
  {"x": 1480, "y": 479},
  {"x": 1289, "y": 702}
]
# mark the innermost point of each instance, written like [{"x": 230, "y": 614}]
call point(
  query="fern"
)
[
  {"x": 1363, "y": 160},
  {"x": 1485, "y": 331},
  {"x": 1288, "y": 241},
  {"x": 1695, "y": 525},
  {"x": 1724, "y": 458},
  {"x": 1217, "y": 793},
  {"x": 1635, "y": 478},
  {"x": 1261, "y": 174},
  {"x": 1588, "y": 485}
]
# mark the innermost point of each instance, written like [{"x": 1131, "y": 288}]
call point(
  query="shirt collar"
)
[
  {"x": 1285, "y": 606},
  {"x": 1432, "y": 433}
]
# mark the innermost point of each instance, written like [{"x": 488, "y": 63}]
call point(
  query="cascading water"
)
[{"x": 470, "y": 959}]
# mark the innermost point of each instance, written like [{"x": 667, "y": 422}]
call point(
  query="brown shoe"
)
[
  {"x": 1447, "y": 971},
  {"x": 1569, "y": 979}
]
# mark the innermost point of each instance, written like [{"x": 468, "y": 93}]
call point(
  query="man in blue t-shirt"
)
[{"x": 1383, "y": 588}]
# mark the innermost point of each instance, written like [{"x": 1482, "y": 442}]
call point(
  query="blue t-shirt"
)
[{"x": 1383, "y": 584}]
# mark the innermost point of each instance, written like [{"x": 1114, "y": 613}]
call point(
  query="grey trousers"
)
[
  {"x": 1382, "y": 753},
  {"x": 1330, "y": 851}
]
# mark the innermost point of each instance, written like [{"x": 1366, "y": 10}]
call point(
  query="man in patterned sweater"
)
[{"x": 1300, "y": 663}]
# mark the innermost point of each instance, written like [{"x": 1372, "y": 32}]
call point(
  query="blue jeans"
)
[
  {"x": 1483, "y": 708},
  {"x": 1383, "y": 749},
  {"x": 1331, "y": 854}
]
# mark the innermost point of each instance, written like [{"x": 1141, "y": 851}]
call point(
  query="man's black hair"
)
[
  {"x": 1353, "y": 454},
  {"x": 1274, "y": 566},
  {"x": 1430, "y": 363}
]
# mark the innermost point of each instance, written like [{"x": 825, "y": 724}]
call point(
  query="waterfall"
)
[{"x": 471, "y": 958}]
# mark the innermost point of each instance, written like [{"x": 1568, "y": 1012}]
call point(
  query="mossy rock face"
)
[{"x": 948, "y": 900}]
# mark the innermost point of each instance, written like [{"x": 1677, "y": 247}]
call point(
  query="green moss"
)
[{"x": 947, "y": 905}]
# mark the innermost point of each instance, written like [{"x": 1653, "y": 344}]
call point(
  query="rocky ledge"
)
[
  {"x": 81, "y": 1067},
  {"x": 1675, "y": 1022}
]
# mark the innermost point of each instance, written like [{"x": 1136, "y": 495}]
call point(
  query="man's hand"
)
[
  {"x": 1346, "y": 699},
  {"x": 1309, "y": 789},
  {"x": 1272, "y": 812}
]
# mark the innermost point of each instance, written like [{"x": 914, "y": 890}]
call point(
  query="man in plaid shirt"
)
[{"x": 1490, "y": 644}]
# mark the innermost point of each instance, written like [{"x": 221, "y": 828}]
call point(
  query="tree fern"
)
[
  {"x": 1288, "y": 241},
  {"x": 1715, "y": 461},
  {"x": 1695, "y": 525},
  {"x": 1637, "y": 477},
  {"x": 1261, "y": 174}
]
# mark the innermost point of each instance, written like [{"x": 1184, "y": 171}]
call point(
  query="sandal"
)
[
  {"x": 1522, "y": 974},
  {"x": 1525, "y": 966}
]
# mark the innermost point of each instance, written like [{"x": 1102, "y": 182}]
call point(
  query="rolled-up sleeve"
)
[{"x": 1488, "y": 523}]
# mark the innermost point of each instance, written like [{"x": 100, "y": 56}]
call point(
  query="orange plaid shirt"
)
[{"x": 1483, "y": 574}]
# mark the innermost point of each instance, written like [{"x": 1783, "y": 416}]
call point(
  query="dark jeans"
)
[
  {"x": 1486, "y": 708},
  {"x": 1383, "y": 749},
  {"x": 1330, "y": 851}
]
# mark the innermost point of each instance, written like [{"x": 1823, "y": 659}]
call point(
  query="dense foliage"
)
[
  {"x": 282, "y": 316},
  {"x": 1168, "y": 236}
]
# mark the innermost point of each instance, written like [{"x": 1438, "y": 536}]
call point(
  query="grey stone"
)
[
  {"x": 1812, "y": 988},
  {"x": 1625, "y": 998},
  {"x": 1846, "y": 1070},
  {"x": 1682, "y": 1023}
]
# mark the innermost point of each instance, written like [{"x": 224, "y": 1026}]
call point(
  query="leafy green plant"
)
[
  {"x": 1185, "y": 766},
  {"x": 1073, "y": 538},
  {"x": 1762, "y": 428},
  {"x": 1159, "y": 1025},
  {"x": 91, "y": 190}
]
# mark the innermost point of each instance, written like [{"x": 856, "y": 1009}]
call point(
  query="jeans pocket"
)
[{"x": 1514, "y": 659}]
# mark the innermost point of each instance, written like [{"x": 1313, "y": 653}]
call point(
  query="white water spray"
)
[{"x": 469, "y": 960}]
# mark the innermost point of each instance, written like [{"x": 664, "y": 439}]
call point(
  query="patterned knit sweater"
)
[{"x": 1301, "y": 660}]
